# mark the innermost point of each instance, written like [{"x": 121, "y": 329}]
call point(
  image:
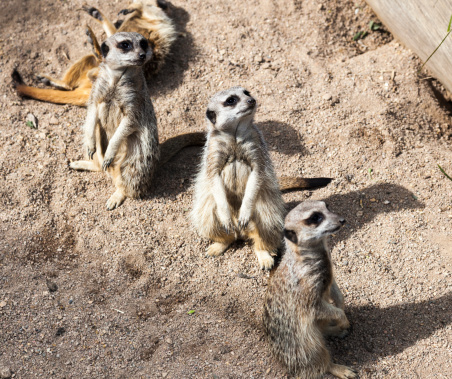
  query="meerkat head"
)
[
  {"x": 123, "y": 50},
  {"x": 228, "y": 108},
  {"x": 310, "y": 222}
]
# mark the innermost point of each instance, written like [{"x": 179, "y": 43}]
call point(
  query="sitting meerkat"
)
[
  {"x": 303, "y": 302},
  {"x": 121, "y": 128},
  {"x": 236, "y": 192},
  {"x": 142, "y": 17}
]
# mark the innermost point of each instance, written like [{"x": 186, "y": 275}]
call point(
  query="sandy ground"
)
[{"x": 86, "y": 293}]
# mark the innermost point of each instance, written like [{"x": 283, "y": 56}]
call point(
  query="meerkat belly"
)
[
  {"x": 110, "y": 116},
  {"x": 235, "y": 176}
]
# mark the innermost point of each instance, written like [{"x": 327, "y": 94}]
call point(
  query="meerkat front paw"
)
[
  {"x": 224, "y": 217},
  {"x": 265, "y": 260},
  {"x": 244, "y": 218}
]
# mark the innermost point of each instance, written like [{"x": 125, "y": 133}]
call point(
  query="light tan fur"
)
[
  {"x": 74, "y": 88},
  {"x": 303, "y": 301},
  {"x": 120, "y": 131},
  {"x": 237, "y": 194}
]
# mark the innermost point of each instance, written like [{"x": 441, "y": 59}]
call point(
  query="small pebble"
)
[
  {"x": 5, "y": 372},
  {"x": 386, "y": 202},
  {"x": 32, "y": 118},
  {"x": 60, "y": 331},
  {"x": 327, "y": 96},
  {"x": 53, "y": 121}
]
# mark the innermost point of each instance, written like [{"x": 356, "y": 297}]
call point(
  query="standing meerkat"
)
[
  {"x": 74, "y": 88},
  {"x": 120, "y": 131},
  {"x": 303, "y": 302},
  {"x": 237, "y": 194}
]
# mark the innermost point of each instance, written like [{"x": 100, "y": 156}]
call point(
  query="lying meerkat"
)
[
  {"x": 74, "y": 88},
  {"x": 303, "y": 302},
  {"x": 236, "y": 191},
  {"x": 121, "y": 128}
]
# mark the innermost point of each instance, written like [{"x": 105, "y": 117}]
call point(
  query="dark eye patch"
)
[
  {"x": 144, "y": 44},
  {"x": 125, "y": 45},
  {"x": 104, "y": 49},
  {"x": 231, "y": 101},
  {"x": 315, "y": 219},
  {"x": 291, "y": 235},
  {"x": 246, "y": 93},
  {"x": 212, "y": 116}
]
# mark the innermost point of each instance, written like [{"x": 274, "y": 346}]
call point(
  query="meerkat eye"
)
[
  {"x": 246, "y": 93},
  {"x": 144, "y": 44},
  {"x": 125, "y": 45},
  {"x": 230, "y": 101},
  {"x": 315, "y": 218}
]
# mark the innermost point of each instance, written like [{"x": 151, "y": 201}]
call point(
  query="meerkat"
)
[
  {"x": 236, "y": 192},
  {"x": 120, "y": 131},
  {"x": 303, "y": 302},
  {"x": 142, "y": 17}
]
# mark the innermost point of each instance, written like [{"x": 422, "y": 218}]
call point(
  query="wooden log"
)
[{"x": 421, "y": 25}]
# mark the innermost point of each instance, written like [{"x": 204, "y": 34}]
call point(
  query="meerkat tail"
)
[
  {"x": 290, "y": 183},
  {"x": 173, "y": 145},
  {"x": 79, "y": 96}
]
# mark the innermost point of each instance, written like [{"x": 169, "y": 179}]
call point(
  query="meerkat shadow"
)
[
  {"x": 182, "y": 53},
  {"x": 176, "y": 175},
  {"x": 380, "y": 332},
  {"x": 361, "y": 207},
  {"x": 282, "y": 137}
]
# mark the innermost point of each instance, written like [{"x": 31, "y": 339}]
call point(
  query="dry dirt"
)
[{"x": 86, "y": 293}]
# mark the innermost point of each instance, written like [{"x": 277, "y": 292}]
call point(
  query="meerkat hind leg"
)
[
  {"x": 84, "y": 166},
  {"x": 263, "y": 253},
  {"x": 57, "y": 83},
  {"x": 219, "y": 246},
  {"x": 336, "y": 295},
  {"x": 335, "y": 331},
  {"x": 341, "y": 371}
]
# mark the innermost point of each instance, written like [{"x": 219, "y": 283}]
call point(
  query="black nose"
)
[
  {"x": 142, "y": 56},
  {"x": 251, "y": 101},
  {"x": 342, "y": 221}
]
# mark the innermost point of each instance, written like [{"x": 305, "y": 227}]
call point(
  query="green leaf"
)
[
  {"x": 374, "y": 26},
  {"x": 450, "y": 22},
  {"x": 191, "y": 311},
  {"x": 30, "y": 124},
  {"x": 444, "y": 172},
  {"x": 357, "y": 36}
]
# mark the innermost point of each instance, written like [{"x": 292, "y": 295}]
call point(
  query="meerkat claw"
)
[
  {"x": 93, "y": 12},
  {"x": 91, "y": 153},
  {"x": 43, "y": 79},
  {"x": 243, "y": 224},
  {"x": 124, "y": 12},
  {"x": 106, "y": 164}
]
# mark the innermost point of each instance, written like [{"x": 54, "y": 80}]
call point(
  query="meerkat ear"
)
[
  {"x": 105, "y": 49},
  {"x": 212, "y": 116},
  {"x": 291, "y": 236}
]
